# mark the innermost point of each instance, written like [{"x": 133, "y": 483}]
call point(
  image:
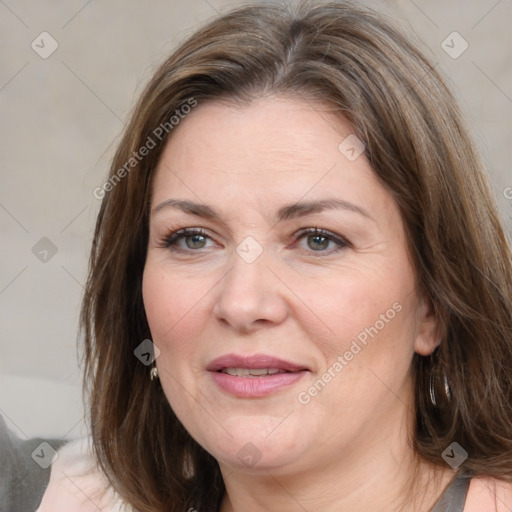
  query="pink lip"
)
[
  {"x": 254, "y": 361},
  {"x": 253, "y": 387}
]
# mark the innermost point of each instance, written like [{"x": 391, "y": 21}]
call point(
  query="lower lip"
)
[{"x": 253, "y": 387}]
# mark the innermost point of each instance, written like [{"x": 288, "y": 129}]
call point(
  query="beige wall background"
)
[{"x": 61, "y": 114}]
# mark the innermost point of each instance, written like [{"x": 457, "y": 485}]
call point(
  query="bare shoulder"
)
[
  {"x": 77, "y": 484},
  {"x": 488, "y": 494}
]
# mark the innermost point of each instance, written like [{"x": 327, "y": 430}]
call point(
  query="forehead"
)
[
  {"x": 279, "y": 147},
  {"x": 259, "y": 133}
]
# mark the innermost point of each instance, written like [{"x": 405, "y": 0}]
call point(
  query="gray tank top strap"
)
[{"x": 454, "y": 496}]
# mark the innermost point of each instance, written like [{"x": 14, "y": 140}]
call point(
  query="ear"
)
[{"x": 429, "y": 331}]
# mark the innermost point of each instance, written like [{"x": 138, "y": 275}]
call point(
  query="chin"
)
[{"x": 257, "y": 445}]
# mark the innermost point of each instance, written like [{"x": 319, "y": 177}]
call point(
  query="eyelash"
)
[{"x": 170, "y": 240}]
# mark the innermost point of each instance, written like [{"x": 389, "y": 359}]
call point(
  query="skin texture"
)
[{"x": 303, "y": 299}]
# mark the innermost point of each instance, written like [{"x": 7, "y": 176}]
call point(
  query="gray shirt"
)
[{"x": 22, "y": 480}]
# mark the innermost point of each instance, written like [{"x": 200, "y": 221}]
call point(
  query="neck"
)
[{"x": 382, "y": 474}]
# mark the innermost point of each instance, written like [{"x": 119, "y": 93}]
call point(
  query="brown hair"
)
[{"x": 354, "y": 60}]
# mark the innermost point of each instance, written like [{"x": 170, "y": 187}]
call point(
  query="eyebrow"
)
[{"x": 287, "y": 212}]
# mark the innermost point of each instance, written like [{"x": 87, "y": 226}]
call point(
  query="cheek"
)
[
  {"x": 173, "y": 310},
  {"x": 361, "y": 305},
  {"x": 371, "y": 349},
  {"x": 171, "y": 302}
]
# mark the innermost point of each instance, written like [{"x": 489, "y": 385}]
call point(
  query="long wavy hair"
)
[{"x": 356, "y": 62}]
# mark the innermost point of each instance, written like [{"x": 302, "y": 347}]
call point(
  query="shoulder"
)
[
  {"x": 486, "y": 494},
  {"x": 77, "y": 484}
]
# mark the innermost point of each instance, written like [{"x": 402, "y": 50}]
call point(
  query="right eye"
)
[{"x": 194, "y": 239}]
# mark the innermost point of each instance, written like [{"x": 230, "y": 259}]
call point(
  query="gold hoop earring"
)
[{"x": 153, "y": 374}]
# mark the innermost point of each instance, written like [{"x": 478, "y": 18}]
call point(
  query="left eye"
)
[{"x": 318, "y": 240}]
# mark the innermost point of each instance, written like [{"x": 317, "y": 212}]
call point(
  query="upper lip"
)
[{"x": 256, "y": 361}]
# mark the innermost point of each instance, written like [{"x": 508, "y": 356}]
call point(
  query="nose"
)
[{"x": 251, "y": 295}]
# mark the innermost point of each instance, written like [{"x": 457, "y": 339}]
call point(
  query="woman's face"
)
[{"x": 280, "y": 347}]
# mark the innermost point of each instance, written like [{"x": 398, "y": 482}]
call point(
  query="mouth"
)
[
  {"x": 257, "y": 365},
  {"x": 254, "y": 376},
  {"x": 252, "y": 372}
]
